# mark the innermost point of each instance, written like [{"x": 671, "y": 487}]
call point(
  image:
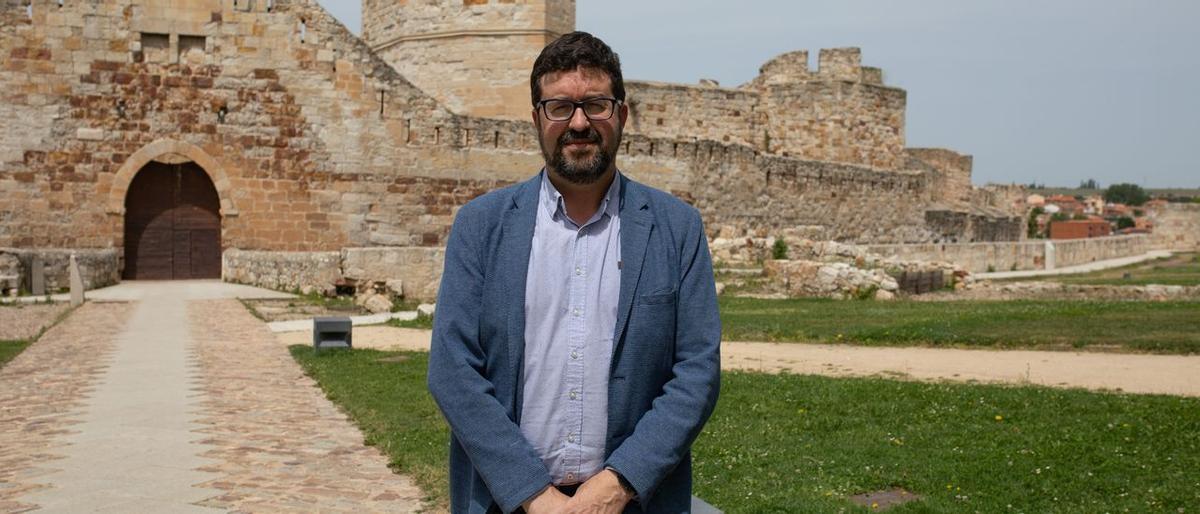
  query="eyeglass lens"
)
[{"x": 595, "y": 109}]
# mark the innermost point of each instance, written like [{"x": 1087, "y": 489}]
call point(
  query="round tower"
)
[{"x": 472, "y": 55}]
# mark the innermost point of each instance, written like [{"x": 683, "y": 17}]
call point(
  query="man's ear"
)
[{"x": 623, "y": 114}]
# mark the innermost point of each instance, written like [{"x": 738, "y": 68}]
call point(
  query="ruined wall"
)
[
  {"x": 1177, "y": 226},
  {"x": 951, "y": 172},
  {"x": 1024, "y": 255},
  {"x": 97, "y": 267},
  {"x": 691, "y": 112},
  {"x": 840, "y": 113},
  {"x": 474, "y": 56}
]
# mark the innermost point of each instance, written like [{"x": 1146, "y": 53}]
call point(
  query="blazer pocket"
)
[{"x": 657, "y": 298}]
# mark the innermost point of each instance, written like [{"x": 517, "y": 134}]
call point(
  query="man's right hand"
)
[{"x": 549, "y": 501}]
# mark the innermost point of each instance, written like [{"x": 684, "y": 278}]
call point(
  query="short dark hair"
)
[{"x": 575, "y": 50}]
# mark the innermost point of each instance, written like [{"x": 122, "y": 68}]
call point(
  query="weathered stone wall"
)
[
  {"x": 419, "y": 270},
  {"x": 839, "y": 113},
  {"x": 1026, "y": 255},
  {"x": 690, "y": 112},
  {"x": 315, "y": 144},
  {"x": 1177, "y": 226},
  {"x": 474, "y": 56},
  {"x": 951, "y": 172},
  {"x": 311, "y": 140},
  {"x": 97, "y": 267},
  {"x": 282, "y": 271}
]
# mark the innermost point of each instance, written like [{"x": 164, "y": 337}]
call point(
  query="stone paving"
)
[
  {"x": 42, "y": 392},
  {"x": 281, "y": 446}
]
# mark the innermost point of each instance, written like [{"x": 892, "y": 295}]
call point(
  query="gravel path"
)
[
  {"x": 1132, "y": 373},
  {"x": 25, "y": 321}
]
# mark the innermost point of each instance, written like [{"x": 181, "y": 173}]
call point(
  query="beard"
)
[{"x": 583, "y": 171}]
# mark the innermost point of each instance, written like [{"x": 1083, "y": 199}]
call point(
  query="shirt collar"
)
[{"x": 552, "y": 201}]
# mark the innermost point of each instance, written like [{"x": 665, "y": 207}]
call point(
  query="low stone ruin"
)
[{"x": 825, "y": 269}]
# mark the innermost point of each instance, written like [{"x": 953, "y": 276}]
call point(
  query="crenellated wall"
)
[
  {"x": 316, "y": 145},
  {"x": 840, "y": 113}
]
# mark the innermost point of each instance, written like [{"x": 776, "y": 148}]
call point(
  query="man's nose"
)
[{"x": 579, "y": 120}]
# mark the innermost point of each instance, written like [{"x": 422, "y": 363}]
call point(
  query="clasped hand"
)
[{"x": 601, "y": 494}]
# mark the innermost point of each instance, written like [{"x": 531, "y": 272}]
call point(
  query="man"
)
[{"x": 576, "y": 345}]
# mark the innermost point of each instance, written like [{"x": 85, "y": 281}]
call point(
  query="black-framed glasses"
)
[{"x": 596, "y": 109}]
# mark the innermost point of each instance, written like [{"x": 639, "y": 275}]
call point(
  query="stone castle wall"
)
[
  {"x": 315, "y": 144},
  {"x": 1177, "y": 226},
  {"x": 473, "y": 56},
  {"x": 1021, "y": 255},
  {"x": 841, "y": 112}
]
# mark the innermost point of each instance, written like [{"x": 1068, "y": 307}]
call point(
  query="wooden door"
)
[{"x": 172, "y": 224}]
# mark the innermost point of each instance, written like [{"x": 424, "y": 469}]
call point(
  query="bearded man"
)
[{"x": 576, "y": 342}]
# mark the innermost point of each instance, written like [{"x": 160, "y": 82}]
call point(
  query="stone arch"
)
[{"x": 170, "y": 150}]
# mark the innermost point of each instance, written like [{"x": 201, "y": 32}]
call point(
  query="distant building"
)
[
  {"x": 1079, "y": 229},
  {"x": 1066, "y": 204}
]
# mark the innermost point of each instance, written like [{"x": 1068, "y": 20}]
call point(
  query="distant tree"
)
[
  {"x": 1089, "y": 184},
  {"x": 1079, "y": 216},
  {"x": 1031, "y": 227},
  {"x": 1125, "y": 222},
  {"x": 1060, "y": 216},
  {"x": 1128, "y": 194},
  {"x": 780, "y": 250}
]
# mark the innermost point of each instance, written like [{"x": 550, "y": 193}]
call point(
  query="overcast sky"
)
[{"x": 1050, "y": 91}]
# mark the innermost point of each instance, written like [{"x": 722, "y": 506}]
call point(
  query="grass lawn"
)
[
  {"x": 10, "y": 349},
  {"x": 1161, "y": 327},
  {"x": 787, "y": 443},
  {"x": 422, "y": 322},
  {"x": 1177, "y": 270}
]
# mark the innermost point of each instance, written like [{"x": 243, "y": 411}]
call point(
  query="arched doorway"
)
[{"x": 172, "y": 224}]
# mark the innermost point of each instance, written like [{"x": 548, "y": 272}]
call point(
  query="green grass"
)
[
  {"x": 10, "y": 349},
  {"x": 1161, "y": 327},
  {"x": 422, "y": 322},
  {"x": 787, "y": 443},
  {"x": 1182, "y": 270},
  {"x": 780, "y": 443},
  {"x": 385, "y": 394}
]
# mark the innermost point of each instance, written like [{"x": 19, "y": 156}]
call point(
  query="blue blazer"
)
[{"x": 665, "y": 372}]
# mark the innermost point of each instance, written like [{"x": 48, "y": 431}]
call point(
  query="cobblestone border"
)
[{"x": 280, "y": 445}]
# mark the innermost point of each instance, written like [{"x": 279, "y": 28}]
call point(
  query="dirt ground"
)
[
  {"x": 1150, "y": 374},
  {"x": 26, "y": 321}
]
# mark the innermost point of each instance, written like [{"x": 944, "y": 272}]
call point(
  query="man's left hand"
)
[{"x": 602, "y": 493}]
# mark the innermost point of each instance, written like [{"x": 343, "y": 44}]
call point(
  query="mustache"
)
[{"x": 588, "y": 136}]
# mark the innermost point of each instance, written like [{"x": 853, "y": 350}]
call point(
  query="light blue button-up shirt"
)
[{"x": 570, "y": 314}]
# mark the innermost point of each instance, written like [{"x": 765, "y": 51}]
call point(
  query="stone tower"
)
[{"x": 472, "y": 55}]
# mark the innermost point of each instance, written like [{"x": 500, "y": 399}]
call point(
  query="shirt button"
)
[
  {"x": 575, "y": 311},
  {"x": 574, "y": 355},
  {"x": 579, "y": 271},
  {"x": 571, "y": 437},
  {"x": 570, "y": 476},
  {"x": 574, "y": 395}
]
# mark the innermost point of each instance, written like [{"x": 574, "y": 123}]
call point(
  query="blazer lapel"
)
[
  {"x": 516, "y": 240},
  {"x": 636, "y": 224}
]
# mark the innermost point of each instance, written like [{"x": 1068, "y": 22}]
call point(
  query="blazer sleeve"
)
[
  {"x": 665, "y": 433},
  {"x": 498, "y": 451}
]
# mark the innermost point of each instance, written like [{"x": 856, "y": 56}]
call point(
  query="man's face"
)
[{"x": 579, "y": 150}]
